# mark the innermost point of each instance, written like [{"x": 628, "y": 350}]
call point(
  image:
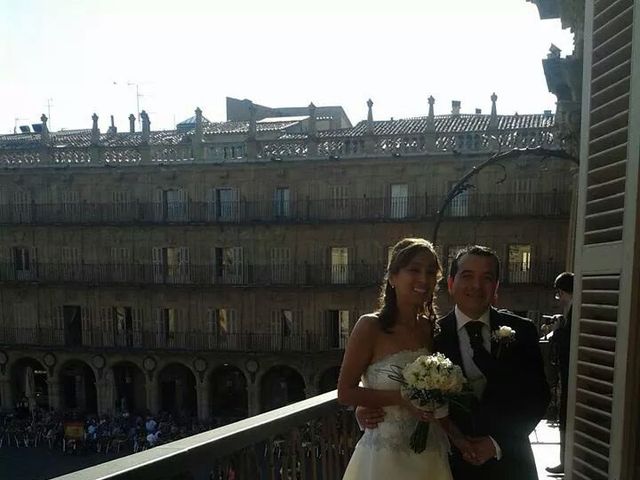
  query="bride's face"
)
[{"x": 414, "y": 283}]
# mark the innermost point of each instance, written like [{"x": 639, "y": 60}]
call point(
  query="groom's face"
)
[{"x": 475, "y": 284}]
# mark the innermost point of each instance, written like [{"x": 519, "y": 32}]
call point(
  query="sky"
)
[{"x": 71, "y": 58}]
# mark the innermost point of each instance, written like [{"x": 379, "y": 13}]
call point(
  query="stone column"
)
[
  {"x": 203, "y": 398},
  {"x": 6, "y": 394},
  {"x": 310, "y": 390},
  {"x": 53, "y": 388},
  {"x": 153, "y": 398},
  {"x": 253, "y": 398}
]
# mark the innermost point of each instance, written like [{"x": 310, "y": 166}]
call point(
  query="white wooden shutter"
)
[
  {"x": 183, "y": 264},
  {"x": 57, "y": 324},
  {"x": 105, "y": 320},
  {"x": 158, "y": 205},
  {"x": 137, "y": 324},
  {"x": 87, "y": 318},
  {"x": 600, "y": 388},
  {"x": 158, "y": 264},
  {"x": 159, "y": 325}
]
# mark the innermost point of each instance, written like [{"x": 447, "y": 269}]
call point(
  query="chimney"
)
[
  {"x": 493, "y": 120},
  {"x": 478, "y": 111},
  {"x": 370, "y": 117},
  {"x": 455, "y": 107},
  {"x": 146, "y": 126},
  {"x": 132, "y": 123},
  {"x": 95, "y": 131},
  {"x": 312, "y": 119},
  {"x": 112, "y": 129},
  {"x": 44, "y": 133},
  {"x": 431, "y": 119},
  {"x": 547, "y": 113}
]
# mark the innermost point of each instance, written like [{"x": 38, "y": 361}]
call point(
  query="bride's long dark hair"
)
[{"x": 401, "y": 255}]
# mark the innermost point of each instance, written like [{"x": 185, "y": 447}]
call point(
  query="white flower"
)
[{"x": 504, "y": 334}]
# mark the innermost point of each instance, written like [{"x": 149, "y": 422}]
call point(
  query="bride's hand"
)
[
  {"x": 466, "y": 448},
  {"x": 421, "y": 415}
]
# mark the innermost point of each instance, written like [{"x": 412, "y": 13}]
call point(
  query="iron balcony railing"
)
[
  {"x": 189, "y": 274},
  {"x": 354, "y": 274},
  {"x": 285, "y": 211},
  {"x": 168, "y": 340}
]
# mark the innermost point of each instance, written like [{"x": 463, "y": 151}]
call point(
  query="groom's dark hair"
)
[{"x": 478, "y": 250}]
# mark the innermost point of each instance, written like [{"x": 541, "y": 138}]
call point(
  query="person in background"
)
[{"x": 560, "y": 344}]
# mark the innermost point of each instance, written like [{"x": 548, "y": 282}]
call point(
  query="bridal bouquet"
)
[{"x": 430, "y": 383}]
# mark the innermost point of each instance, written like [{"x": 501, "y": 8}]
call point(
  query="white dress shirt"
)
[{"x": 476, "y": 378}]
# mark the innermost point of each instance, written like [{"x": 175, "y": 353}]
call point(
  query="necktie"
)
[{"x": 481, "y": 357}]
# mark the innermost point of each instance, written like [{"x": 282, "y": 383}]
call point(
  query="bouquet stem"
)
[{"x": 418, "y": 440}]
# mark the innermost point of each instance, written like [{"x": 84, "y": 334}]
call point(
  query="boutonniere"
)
[{"x": 503, "y": 336}]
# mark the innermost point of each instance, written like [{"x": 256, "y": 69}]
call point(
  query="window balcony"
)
[
  {"x": 355, "y": 274},
  {"x": 361, "y": 209},
  {"x": 144, "y": 340}
]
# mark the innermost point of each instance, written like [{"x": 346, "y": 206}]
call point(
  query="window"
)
[
  {"x": 337, "y": 328},
  {"x": 25, "y": 323},
  {"x": 339, "y": 265},
  {"x": 399, "y": 200},
  {"x": 459, "y": 206},
  {"x": 519, "y": 268},
  {"x": 121, "y": 206},
  {"x": 167, "y": 325},
  {"x": 228, "y": 267},
  {"x": 339, "y": 201},
  {"x": 171, "y": 264},
  {"x": 21, "y": 259},
  {"x": 73, "y": 325},
  {"x": 121, "y": 264},
  {"x": 281, "y": 265},
  {"x": 22, "y": 206},
  {"x": 24, "y": 262},
  {"x": 223, "y": 329},
  {"x": 452, "y": 251},
  {"x": 71, "y": 263},
  {"x": 175, "y": 205},
  {"x": 523, "y": 196},
  {"x": 71, "y": 207},
  {"x": 223, "y": 204},
  {"x": 286, "y": 331},
  {"x": 281, "y": 200}
]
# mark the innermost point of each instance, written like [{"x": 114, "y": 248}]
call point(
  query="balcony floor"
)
[{"x": 545, "y": 441}]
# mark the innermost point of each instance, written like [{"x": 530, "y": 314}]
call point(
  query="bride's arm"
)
[{"x": 357, "y": 357}]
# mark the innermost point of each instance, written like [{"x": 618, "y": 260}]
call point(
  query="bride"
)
[{"x": 400, "y": 331}]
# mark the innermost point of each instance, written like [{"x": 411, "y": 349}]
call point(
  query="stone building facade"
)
[{"x": 218, "y": 270}]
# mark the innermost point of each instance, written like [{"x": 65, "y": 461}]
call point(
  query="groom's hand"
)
[
  {"x": 369, "y": 417},
  {"x": 483, "y": 448}
]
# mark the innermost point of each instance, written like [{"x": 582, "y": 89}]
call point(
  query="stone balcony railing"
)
[
  {"x": 412, "y": 208},
  {"x": 311, "y": 439},
  {"x": 133, "y": 340}
]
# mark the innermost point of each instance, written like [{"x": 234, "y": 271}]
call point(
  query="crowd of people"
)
[{"x": 72, "y": 433}]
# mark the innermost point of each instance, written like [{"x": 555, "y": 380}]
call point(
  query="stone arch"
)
[
  {"x": 328, "y": 379},
  {"x": 177, "y": 389},
  {"x": 78, "y": 386},
  {"x": 129, "y": 387},
  {"x": 280, "y": 386},
  {"x": 35, "y": 394},
  {"x": 229, "y": 394}
]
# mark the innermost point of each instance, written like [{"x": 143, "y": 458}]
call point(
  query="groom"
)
[
  {"x": 506, "y": 374},
  {"x": 503, "y": 366}
]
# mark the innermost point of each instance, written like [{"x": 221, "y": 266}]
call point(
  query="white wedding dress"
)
[{"x": 383, "y": 453}]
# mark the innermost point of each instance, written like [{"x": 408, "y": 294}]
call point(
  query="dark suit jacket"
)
[{"x": 514, "y": 401}]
